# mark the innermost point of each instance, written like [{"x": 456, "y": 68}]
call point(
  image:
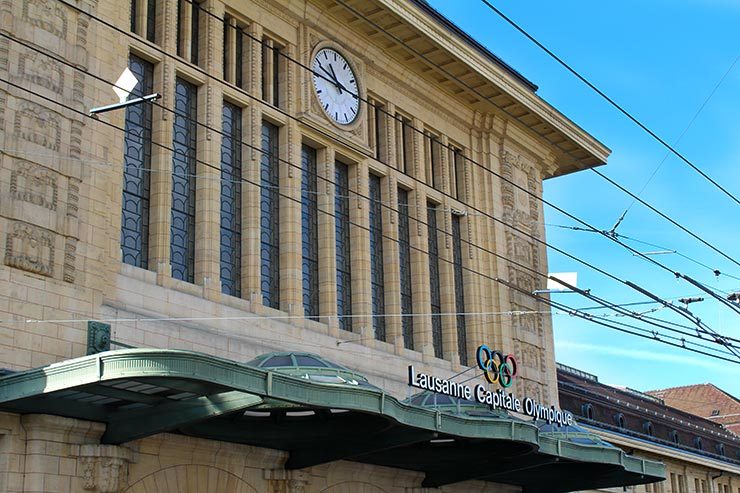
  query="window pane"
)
[
  {"x": 231, "y": 200},
  {"x": 344, "y": 278},
  {"x": 462, "y": 339},
  {"x": 404, "y": 254},
  {"x": 376, "y": 258},
  {"x": 310, "y": 233},
  {"x": 182, "y": 230},
  {"x": 137, "y": 147},
  {"x": 436, "y": 299},
  {"x": 270, "y": 216}
]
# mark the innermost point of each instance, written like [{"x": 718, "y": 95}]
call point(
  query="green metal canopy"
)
[{"x": 315, "y": 417}]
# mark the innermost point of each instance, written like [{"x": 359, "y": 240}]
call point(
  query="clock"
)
[{"x": 336, "y": 86}]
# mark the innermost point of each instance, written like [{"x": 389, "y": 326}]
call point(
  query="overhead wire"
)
[
  {"x": 656, "y": 335},
  {"x": 486, "y": 98},
  {"x": 288, "y": 115},
  {"x": 609, "y": 100},
  {"x": 529, "y": 192},
  {"x": 196, "y": 5},
  {"x": 677, "y": 141},
  {"x": 714, "y": 271}
]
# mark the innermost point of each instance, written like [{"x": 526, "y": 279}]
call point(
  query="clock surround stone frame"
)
[{"x": 357, "y": 69}]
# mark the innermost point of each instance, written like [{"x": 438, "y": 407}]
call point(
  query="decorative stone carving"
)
[
  {"x": 75, "y": 139},
  {"x": 34, "y": 184},
  {"x": 529, "y": 322},
  {"x": 104, "y": 467},
  {"x": 520, "y": 207},
  {"x": 530, "y": 356},
  {"x": 38, "y": 125},
  {"x": 282, "y": 481},
  {"x": 4, "y": 53},
  {"x": 48, "y": 15},
  {"x": 73, "y": 197},
  {"x": 70, "y": 257},
  {"x": 30, "y": 248},
  {"x": 40, "y": 70},
  {"x": 533, "y": 389}
]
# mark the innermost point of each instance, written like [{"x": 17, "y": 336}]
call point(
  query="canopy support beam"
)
[{"x": 124, "y": 426}]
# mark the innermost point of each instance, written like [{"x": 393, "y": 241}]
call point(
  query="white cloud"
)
[{"x": 641, "y": 355}]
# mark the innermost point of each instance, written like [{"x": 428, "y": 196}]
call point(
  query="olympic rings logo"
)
[{"x": 496, "y": 367}]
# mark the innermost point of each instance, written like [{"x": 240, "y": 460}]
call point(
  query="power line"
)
[
  {"x": 714, "y": 271},
  {"x": 514, "y": 184},
  {"x": 609, "y": 100},
  {"x": 686, "y": 129},
  {"x": 647, "y": 334},
  {"x": 486, "y": 98},
  {"x": 561, "y": 306},
  {"x": 493, "y": 253},
  {"x": 417, "y": 130}
]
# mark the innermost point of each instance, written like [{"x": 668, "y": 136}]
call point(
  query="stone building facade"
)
[{"x": 239, "y": 214}]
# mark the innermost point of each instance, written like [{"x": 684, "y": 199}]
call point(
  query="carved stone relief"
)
[
  {"x": 40, "y": 70},
  {"x": 30, "y": 248},
  {"x": 530, "y": 356},
  {"x": 47, "y": 15},
  {"x": 36, "y": 124},
  {"x": 34, "y": 184},
  {"x": 70, "y": 256},
  {"x": 529, "y": 322},
  {"x": 520, "y": 206},
  {"x": 104, "y": 467}
]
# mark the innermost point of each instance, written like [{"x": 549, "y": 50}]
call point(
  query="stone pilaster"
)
[
  {"x": 327, "y": 232},
  {"x": 360, "y": 244},
  {"x": 418, "y": 233},
  {"x": 161, "y": 176},
  {"x": 291, "y": 271},
  {"x": 208, "y": 190},
  {"x": 251, "y": 157}
]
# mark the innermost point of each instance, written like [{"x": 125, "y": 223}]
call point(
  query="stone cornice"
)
[{"x": 497, "y": 75}]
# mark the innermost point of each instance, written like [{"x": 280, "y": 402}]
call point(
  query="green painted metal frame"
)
[{"x": 228, "y": 386}]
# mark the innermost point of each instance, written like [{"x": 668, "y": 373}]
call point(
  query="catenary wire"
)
[
  {"x": 475, "y": 91},
  {"x": 609, "y": 100},
  {"x": 656, "y": 335},
  {"x": 714, "y": 271},
  {"x": 678, "y": 140},
  {"x": 292, "y": 60},
  {"x": 503, "y": 178},
  {"x": 129, "y": 34},
  {"x": 263, "y": 151}
]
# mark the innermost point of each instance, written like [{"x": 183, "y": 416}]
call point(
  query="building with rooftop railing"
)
[{"x": 700, "y": 454}]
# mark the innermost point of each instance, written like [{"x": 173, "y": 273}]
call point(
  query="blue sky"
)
[{"x": 660, "y": 59}]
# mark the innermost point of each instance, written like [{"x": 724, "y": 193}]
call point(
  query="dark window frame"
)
[
  {"x": 270, "y": 215},
  {"x": 457, "y": 264},
  {"x": 377, "y": 277},
  {"x": 343, "y": 246},
  {"x": 310, "y": 232},
  {"x": 231, "y": 202},
  {"x": 137, "y": 158},
  {"x": 184, "y": 169},
  {"x": 404, "y": 260},
  {"x": 435, "y": 292}
]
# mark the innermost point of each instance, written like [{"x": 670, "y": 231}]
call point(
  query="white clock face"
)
[{"x": 336, "y": 86}]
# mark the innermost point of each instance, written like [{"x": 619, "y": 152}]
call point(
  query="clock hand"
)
[
  {"x": 333, "y": 77},
  {"x": 336, "y": 80}
]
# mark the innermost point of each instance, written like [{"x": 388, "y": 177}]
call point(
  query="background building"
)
[
  {"x": 324, "y": 177},
  {"x": 700, "y": 454},
  {"x": 705, "y": 400}
]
